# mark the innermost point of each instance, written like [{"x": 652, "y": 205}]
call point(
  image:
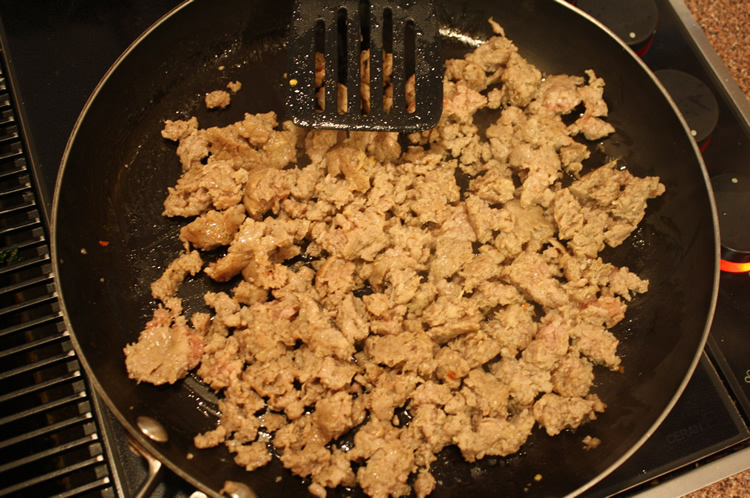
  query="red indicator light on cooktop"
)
[{"x": 730, "y": 267}]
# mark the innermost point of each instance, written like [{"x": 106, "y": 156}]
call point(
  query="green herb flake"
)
[{"x": 9, "y": 256}]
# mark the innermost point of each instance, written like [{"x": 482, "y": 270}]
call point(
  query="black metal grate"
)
[{"x": 49, "y": 440}]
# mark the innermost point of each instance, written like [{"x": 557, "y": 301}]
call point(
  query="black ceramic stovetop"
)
[{"x": 56, "y": 53}]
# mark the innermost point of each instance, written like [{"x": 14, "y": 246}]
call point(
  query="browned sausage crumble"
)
[{"x": 367, "y": 283}]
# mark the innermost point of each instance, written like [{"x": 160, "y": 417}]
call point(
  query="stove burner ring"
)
[
  {"x": 732, "y": 194},
  {"x": 695, "y": 101},
  {"x": 633, "y": 21}
]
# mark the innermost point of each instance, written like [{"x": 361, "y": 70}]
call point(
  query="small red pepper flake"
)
[
  {"x": 451, "y": 375},
  {"x": 104, "y": 243}
]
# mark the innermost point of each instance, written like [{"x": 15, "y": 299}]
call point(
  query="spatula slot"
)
[
  {"x": 319, "y": 67},
  {"x": 410, "y": 54}
]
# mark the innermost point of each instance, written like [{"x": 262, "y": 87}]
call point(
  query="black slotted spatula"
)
[{"x": 365, "y": 65}]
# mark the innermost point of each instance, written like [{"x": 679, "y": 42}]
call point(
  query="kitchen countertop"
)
[
  {"x": 737, "y": 486},
  {"x": 725, "y": 23}
]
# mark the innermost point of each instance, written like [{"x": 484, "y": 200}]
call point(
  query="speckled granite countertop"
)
[
  {"x": 726, "y": 24},
  {"x": 736, "y": 486}
]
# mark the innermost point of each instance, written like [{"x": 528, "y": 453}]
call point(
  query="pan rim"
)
[
  {"x": 716, "y": 243},
  {"x": 145, "y": 442},
  {"x": 155, "y": 450}
]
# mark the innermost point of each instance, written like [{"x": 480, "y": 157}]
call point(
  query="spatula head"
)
[{"x": 365, "y": 65}]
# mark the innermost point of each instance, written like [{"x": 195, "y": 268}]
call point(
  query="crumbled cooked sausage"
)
[
  {"x": 165, "y": 288},
  {"x": 369, "y": 288},
  {"x": 218, "y": 99},
  {"x": 166, "y": 350},
  {"x": 234, "y": 86}
]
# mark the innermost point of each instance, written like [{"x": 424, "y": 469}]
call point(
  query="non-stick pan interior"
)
[{"x": 111, "y": 242}]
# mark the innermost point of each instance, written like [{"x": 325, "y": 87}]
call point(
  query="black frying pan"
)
[{"x": 117, "y": 168}]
